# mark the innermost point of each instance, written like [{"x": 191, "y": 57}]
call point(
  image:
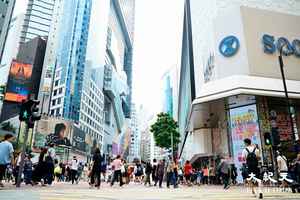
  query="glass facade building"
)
[
  {"x": 6, "y": 11},
  {"x": 68, "y": 81},
  {"x": 38, "y": 19}
]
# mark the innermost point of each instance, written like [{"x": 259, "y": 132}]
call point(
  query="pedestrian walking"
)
[
  {"x": 117, "y": 174},
  {"x": 138, "y": 172},
  {"x": 154, "y": 167},
  {"x": 58, "y": 172},
  {"x": 282, "y": 167},
  {"x": 6, "y": 155},
  {"x": 205, "y": 172},
  {"x": 212, "y": 175},
  {"x": 224, "y": 171},
  {"x": 49, "y": 165},
  {"x": 28, "y": 167},
  {"x": 96, "y": 169},
  {"x": 251, "y": 155},
  {"x": 148, "y": 171},
  {"x": 188, "y": 170},
  {"x": 160, "y": 170},
  {"x": 170, "y": 179},
  {"x": 233, "y": 173},
  {"x": 74, "y": 168},
  {"x": 39, "y": 172}
]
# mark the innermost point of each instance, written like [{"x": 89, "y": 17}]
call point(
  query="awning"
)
[
  {"x": 200, "y": 155},
  {"x": 251, "y": 85}
]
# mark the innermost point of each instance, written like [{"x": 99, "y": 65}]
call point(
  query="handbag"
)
[{"x": 123, "y": 169}]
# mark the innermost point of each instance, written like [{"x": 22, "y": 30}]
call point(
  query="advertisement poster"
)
[
  {"x": 244, "y": 124},
  {"x": 56, "y": 131},
  {"x": 78, "y": 139},
  {"x": 19, "y": 82}
]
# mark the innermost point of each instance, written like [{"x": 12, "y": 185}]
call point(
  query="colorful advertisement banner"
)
[
  {"x": 19, "y": 82},
  {"x": 244, "y": 124}
]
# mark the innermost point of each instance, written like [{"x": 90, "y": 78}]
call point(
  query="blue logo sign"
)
[
  {"x": 289, "y": 48},
  {"x": 229, "y": 46}
]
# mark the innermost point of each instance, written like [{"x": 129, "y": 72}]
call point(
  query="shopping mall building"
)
[{"x": 231, "y": 86}]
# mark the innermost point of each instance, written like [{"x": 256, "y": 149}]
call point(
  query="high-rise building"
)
[
  {"x": 170, "y": 92},
  {"x": 70, "y": 62},
  {"x": 117, "y": 80},
  {"x": 24, "y": 76},
  {"x": 11, "y": 46},
  {"x": 91, "y": 119},
  {"x": 6, "y": 11},
  {"x": 38, "y": 19},
  {"x": 230, "y": 80},
  {"x": 135, "y": 135}
]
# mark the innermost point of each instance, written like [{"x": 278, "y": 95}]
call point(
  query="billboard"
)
[
  {"x": 19, "y": 82},
  {"x": 243, "y": 124},
  {"x": 78, "y": 139},
  {"x": 53, "y": 130}
]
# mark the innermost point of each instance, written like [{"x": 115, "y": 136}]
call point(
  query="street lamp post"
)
[
  {"x": 172, "y": 144},
  {"x": 286, "y": 91}
]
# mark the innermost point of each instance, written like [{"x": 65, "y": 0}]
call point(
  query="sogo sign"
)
[{"x": 270, "y": 45}]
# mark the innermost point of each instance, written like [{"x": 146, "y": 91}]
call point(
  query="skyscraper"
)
[
  {"x": 70, "y": 63},
  {"x": 38, "y": 19},
  {"x": 6, "y": 11}
]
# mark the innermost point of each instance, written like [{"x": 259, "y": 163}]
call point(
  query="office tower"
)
[
  {"x": 38, "y": 19},
  {"x": 6, "y": 11}
]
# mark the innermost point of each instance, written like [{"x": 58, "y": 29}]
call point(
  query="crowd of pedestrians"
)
[{"x": 152, "y": 173}]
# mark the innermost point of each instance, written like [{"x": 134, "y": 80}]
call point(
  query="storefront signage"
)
[
  {"x": 209, "y": 68},
  {"x": 229, "y": 46},
  {"x": 289, "y": 48}
]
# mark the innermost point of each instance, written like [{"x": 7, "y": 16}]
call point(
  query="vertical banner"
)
[{"x": 244, "y": 124}]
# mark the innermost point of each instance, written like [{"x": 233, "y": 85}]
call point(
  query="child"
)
[{"x": 28, "y": 170}]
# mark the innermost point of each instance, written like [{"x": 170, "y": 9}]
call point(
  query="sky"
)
[{"x": 157, "y": 47}]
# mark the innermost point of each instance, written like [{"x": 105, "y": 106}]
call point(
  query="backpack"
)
[{"x": 251, "y": 160}]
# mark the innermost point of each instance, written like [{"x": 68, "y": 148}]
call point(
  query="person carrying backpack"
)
[{"x": 251, "y": 155}]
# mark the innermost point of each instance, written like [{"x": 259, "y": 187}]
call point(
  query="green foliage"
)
[{"x": 163, "y": 129}]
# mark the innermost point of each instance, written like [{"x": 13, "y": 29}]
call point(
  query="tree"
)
[{"x": 163, "y": 129}]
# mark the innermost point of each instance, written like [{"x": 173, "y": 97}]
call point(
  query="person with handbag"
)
[
  {"x": 95, "y": 173},
  {"x": 117, "y": 174}
]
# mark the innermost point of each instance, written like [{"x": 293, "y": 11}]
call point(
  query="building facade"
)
[
  {"x": 24, "y": 76},
  {"x": 230, "y": 82},
  {"x": 91, "y": 119},
  {"x": 134, "y": 149},
  {"x": 170, "y": 92},
  {"x": 11, "y": 45},
  {"x": 6, "y": 11},
  {"x": 69, "y": 69},
  {"x": 38, "y": 19}
]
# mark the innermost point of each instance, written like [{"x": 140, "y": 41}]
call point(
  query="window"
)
[
  {"x": 60, "y": 90},
  {"x": 58, "y": 100},
  {"x": 56, "y": 83},
  {"x": 55, "y": 92},
  {"x": 53, "y": 102}
]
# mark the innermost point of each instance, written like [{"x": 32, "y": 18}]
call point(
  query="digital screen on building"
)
[{"x": 19, "y": 82}]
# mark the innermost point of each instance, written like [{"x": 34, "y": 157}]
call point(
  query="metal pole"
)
[
  {"x": 172, "y": 145},
  {"x": 285, "y": 91},
  {"x": 18, "y": 137},
  {"x": 22, "y": 158}
]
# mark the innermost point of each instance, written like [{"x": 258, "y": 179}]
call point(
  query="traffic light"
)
[
  {"x": 275, "y": 136},
  {"x": 29, "y": 112},
  {"x": 24, "y": 111},
  {"x": 268, "y": 139}
]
